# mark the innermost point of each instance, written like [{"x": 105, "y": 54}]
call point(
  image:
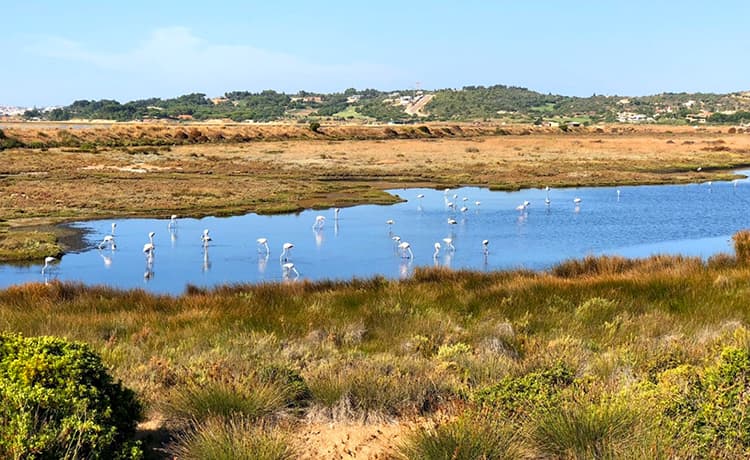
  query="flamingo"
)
[
  {"x": 205, "y": 238},
  {"x": 287, "y": 268},
  {"x": 464, "y": 199},
  {"x": 172, "y": 221},
  {"x": 577, "y": 200},
  {"x": 390, "y": 223},
  {"x": 151, "y": 236},
  {"x": 285, "y": 248},
  {"x": 108, "y": 240},
  {"x": 452, "y": 221},
  {"x": 114, "y": 226},
  {"x": 336, "y": 213},
  {"x": 521, "y": 207},
  {"x": 396, "y": 239},
  {"x": 618, "y": 194},
  {"x": 406, "y": 247},
  {"x": 437, "y": 251},
  {"x": 449, "y": 243},
  {"x": 319, "y": 222},
  {"x": 263, "y": 242},
  {"x": 148, "y": 249},
  {"x": 47, "y": 260},
  {"x": 477, "y": 203},
  {"x": 420, "y": 196},
  {"x": 464, "y": 209},
  {"x": 486, "y": 247},
  {"x": 547, "y": 200}
]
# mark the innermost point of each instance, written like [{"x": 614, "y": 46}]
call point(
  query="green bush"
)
[
  {"x": 58, "y": 401},
  {"x": 519, "y": 395},
  {"x": 712, "y": 411}
]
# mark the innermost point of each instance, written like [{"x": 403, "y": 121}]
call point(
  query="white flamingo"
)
[
  {"x": 47, "y": 260},
  {"x": 108, "y": 240},
  {"x": 437, "y": 251},
  {"x": 114, "y": 226},
  {"x": 148, "y": 249},
  {"x": 449, "y": 243},
  {"x": 577, "y": 200},
  {"x": 285, "y": 248},
  {"x": 264, "y": 243},
  {"x": 336, "y": 213},
  {"x": 205, "y": 238},
  {"x": 406, "y": 247},
  {"x": 172, "y": 221},
  {"x": 547, "y": 200},
  {"x": 319, "y": 222},
  {"x": 289, "y": 268},
  {"x": 452, "y": 221},
  {"x": 151, "y": 236},
  {"x": 486, "y": 247}
]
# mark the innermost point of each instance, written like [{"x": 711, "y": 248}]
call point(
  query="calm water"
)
[{"x": 695, "y": 219}]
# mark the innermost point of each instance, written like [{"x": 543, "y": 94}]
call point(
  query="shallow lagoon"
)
[{"x": 694, "y": 219}]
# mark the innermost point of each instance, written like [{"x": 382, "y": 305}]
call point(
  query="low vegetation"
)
[
  {"x": 602, "y": 358},
  {"x": 58, "y": 401}
]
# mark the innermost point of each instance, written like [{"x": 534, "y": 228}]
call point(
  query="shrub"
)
[
  {"x": 519, "y": 395},
  {"x": 58, "y": 401},
  {"x": 712, "y": 411},
  {"x": 315, "y": 126}
]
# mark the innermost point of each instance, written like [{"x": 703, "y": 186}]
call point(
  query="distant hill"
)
[{"x": 497, "y": 102}]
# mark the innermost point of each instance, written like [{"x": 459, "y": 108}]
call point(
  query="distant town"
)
[{"x": 471, "y": 103}]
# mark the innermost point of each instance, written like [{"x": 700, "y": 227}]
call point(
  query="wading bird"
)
[
  {"x": 114, "y": 226},
  {"x": 263, "y": 242},
  {"x": 406, "y": 248},
  {"x": 108, "y": 240},
  {"x": 47, "y": 260},
  {"x": 148, "y": 249},
  {"x": 319, "y": 222},
  {"x": 437, "y": 251},
  {"x": 486, "y": 247},
  {"x": 151, "y": 236},
  {"x": 285, "y": 248},
  {"x": 449, "y": 243},
  {"x": 577, "y": 200},
  {"x": 205, "y": 238},
  {"x": 172, "y": 221},
  {"x": 288, "y": 268},
  {"x": 547, "y": 200}
]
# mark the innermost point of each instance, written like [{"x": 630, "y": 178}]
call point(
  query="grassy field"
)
[{"x": 597, "y": 358}]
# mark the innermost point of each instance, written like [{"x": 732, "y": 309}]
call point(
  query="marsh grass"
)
[
  {"x": 377, "y": 349},
  {"x": 232, "y": 438},
  {"x": 470, "y": 437},
  {"x": 586, "y": 430}
]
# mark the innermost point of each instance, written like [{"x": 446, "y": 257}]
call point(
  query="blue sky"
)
[{"x": 56, "y": 52}]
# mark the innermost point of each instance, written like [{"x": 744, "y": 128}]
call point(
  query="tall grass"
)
[
  {"x": 581, "y": 430},
  {"x": 466, "y": 438},
  {"x": 234, "y": 438}
]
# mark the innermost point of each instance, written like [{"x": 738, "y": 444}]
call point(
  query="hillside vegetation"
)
[{"x": 468, "y": 103}]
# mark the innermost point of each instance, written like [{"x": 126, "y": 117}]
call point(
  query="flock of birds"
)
[{"x": 403, "y": 248}]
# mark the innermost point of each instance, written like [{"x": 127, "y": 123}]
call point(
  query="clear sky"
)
[{"x": 54, "y": 52}]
